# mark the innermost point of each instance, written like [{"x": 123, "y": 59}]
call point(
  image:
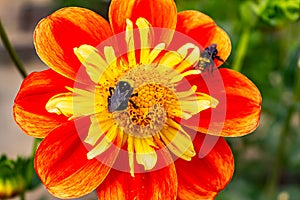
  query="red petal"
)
[
  {"x": 160, "y": 184},
  {"x": 158, "y": 13},
  {"x": 208, "y": 172},
  {"x": 29, "y": 108},
  {"x": 205, "y": 31},
  {"x": 57, "y": 35},
  {"x": 62, "y": 165},
  {"x": 238, "y": 111}
]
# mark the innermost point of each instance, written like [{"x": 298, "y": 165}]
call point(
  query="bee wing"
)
[{"x": 119, "y": 100}]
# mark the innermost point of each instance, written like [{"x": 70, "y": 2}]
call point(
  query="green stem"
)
[
  {"x": 12, "y": 53},
  {"x": 36, "y": 142},
  {"x": 297, "y": 83},
  {"x": 241, "y": 49},
  {"x": 22, "y": 196},
  {"x": 34, "y": 146}
]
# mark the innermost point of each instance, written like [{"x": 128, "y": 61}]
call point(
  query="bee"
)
[
  {"x": 207, "y": 57},
  {"x": 120, "y": 96}
]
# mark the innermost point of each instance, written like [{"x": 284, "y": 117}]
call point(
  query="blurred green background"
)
[{"x": 265, "y": 38}]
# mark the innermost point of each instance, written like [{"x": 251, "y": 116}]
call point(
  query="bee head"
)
[
  {"x": 125, "y": 84},
  {"x": 213, "y": 46}
]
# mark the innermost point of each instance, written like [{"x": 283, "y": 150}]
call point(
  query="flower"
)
[{"x": 123, "y": 110}]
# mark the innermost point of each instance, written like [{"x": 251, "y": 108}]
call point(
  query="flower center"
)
[{"x": 155, "y": 101}]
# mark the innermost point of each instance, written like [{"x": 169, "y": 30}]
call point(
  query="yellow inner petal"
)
[
  {"x": 130, "y": 43},
  {"x": 61, "y": 104},
  {"x": 144, "y": 29},
  {"x": 157, "y": 50},
  {"x": 99, "y": 126},
  {"x": 171, "y": 59},
  {"x": 145, "y": 152},
  {"x": 105, "y": 142},
  {"x": 130, "y": 149},
  {"x": 177, "y": 140},
  {"x": 90, "y": 58},
  {"x": 197, "y": 103},
  {"x": 189, "y": 59}
]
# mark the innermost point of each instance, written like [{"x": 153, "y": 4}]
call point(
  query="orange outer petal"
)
[
  {"x": 205, "y": 31},
  {"x": 239, "y": 108},
  {"x": 208, "y": 172},
  {"x": 160, "y": 184},
  {"x": 57, "y": 35},
  {"x": 62, "y": 165},
  {"x": 29, "y": 108},
  {"x": 158, "y": 13}
]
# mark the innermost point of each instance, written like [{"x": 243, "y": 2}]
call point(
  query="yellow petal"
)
[
  {"x": 109, "y": 54},
  {"x": 98, "y": 127},
  {"x": 89, "y": 56},
  {"x": 130, "y": 43},
  {"x": 187, "y": 93},
  {"x": 144, "y": 29},
  {"x": 61, "y": 104},
  {"x": 145, "y": 152},
  {"x": 154, "y": 53},
  {"x": 105, "y": 143},
  {"x": 130, "y": 149},
  {"x": 177, "y": 140},
  {"x": 190, "y": 59},
  {"x": 179, "y": 77},
  {"x": 170, "y": 59}
]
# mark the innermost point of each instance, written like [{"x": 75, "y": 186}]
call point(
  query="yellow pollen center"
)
[{"x": 154, "y": 102}]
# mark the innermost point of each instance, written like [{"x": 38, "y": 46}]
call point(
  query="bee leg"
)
[
  {"x": 111, "y": 90},
  {"x": 133, "y": 104},
  {"x": 212, "y": 67},
  {"x": 108, "y": 98},
  {"x": 219, "y": 58},
  {"x": 134, "y": 95}
]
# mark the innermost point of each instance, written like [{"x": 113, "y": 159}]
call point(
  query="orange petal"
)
[
  {"x": 57, "y": 35},
  {"x": 208, "y": 172},
  {"x": 29, "y": 108},
  {"x": 160, "y": 184},
  {"x": 158, "y": 13},
  {"x": 238, "y": 111},
  {"x": 205, "y": 31},
  {"x": 62, "y": 165}
]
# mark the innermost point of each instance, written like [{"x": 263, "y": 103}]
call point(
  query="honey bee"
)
[
  {"x": 120, "y": 96},
  {"x": 207, "y": 57}
]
